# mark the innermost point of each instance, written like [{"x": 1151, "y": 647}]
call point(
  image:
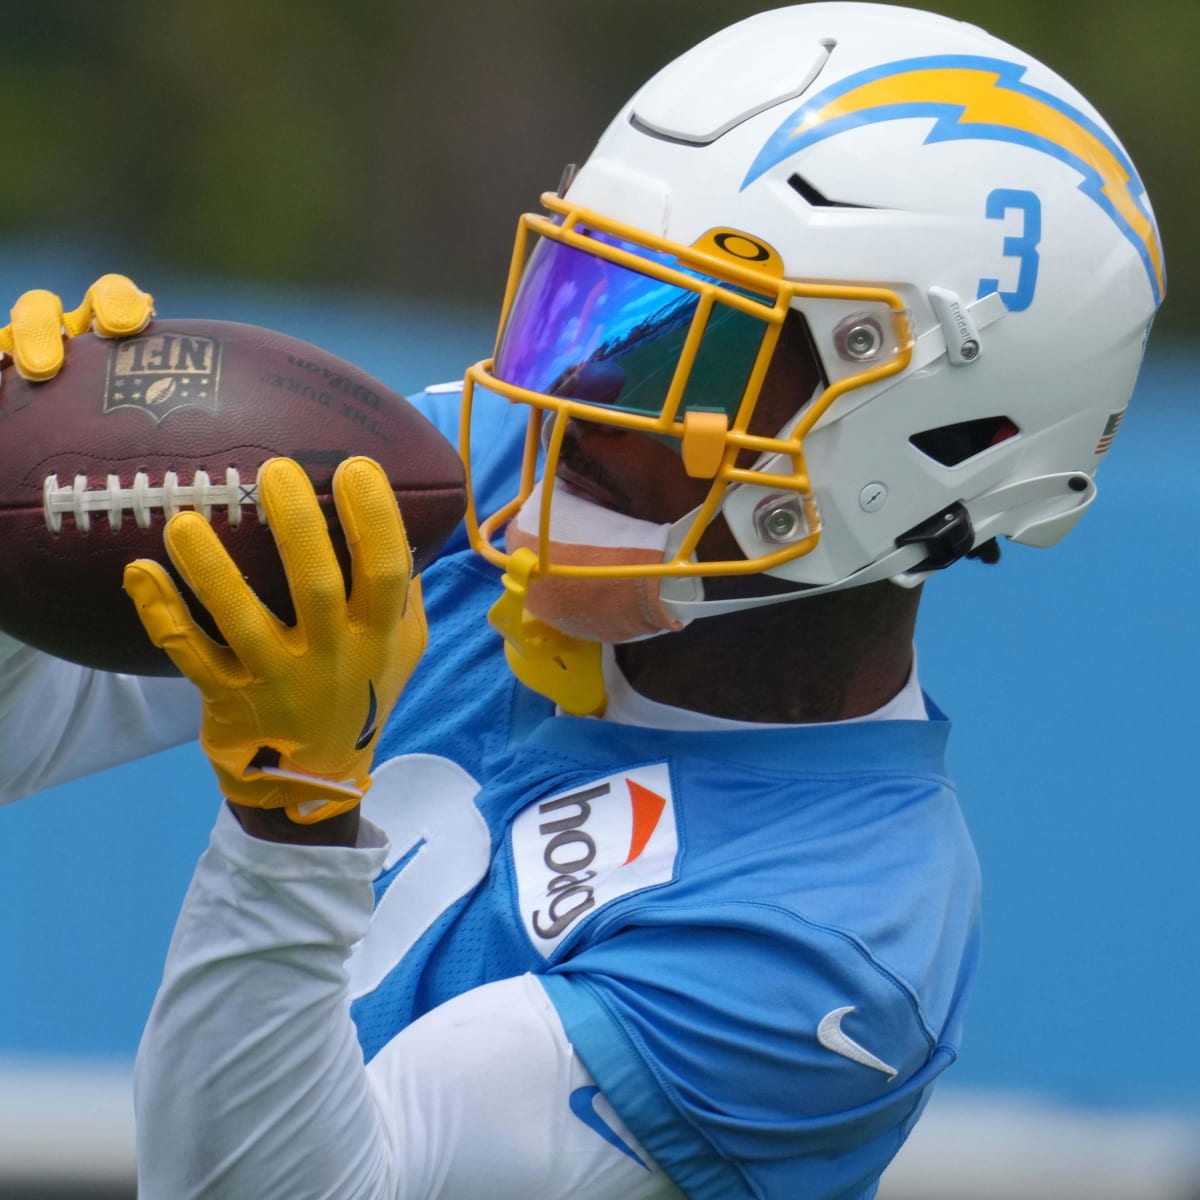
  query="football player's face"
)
[{"x": 642, "y": 476}]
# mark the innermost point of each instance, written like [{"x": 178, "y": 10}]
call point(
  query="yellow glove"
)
[
  {"x": 113, "y": 307},
  {"x": 291, "y": 713}
]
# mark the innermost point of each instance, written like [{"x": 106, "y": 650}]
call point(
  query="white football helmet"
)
[{"x": 969, "y": 248}]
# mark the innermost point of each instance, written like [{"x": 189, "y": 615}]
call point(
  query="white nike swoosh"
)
[{"x": 830, "y": 1035}]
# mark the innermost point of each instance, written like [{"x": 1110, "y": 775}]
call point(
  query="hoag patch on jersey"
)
[{"x": 581, "y": 849}]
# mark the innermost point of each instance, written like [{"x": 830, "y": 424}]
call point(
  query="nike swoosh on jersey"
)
[
  {"x": 583, "y": 1101},
  {"x": 830, "y": 1035}
]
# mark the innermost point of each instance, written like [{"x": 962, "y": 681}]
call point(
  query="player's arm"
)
[
  {"x": 59, "y": 721},
  {"x": 250, "y": 1080}
]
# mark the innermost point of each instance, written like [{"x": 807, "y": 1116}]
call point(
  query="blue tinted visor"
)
[{"x": 583, "y": 327}]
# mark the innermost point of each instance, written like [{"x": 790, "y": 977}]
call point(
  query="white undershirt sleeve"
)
[
  {"x": 250, "y": 1080},
  {"x": 60, "y": 721},
  {"x": 485, "y": 1097}
]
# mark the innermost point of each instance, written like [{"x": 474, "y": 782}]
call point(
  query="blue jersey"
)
[{"x": 758, "y": 941}]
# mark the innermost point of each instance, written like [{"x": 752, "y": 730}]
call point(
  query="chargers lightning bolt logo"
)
[{"x": 982, "y": 99}]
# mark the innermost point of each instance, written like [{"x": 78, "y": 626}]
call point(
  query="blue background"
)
[{"x": 1068, "y": 674}]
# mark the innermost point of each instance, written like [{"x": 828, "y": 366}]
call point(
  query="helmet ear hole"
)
[{"x": 951, "y": 445}]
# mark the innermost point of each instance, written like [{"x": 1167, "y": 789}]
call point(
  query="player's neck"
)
[{"x": 827, "y": 658}]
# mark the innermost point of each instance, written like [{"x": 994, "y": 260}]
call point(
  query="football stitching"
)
[{"x": 114, "y": 500}]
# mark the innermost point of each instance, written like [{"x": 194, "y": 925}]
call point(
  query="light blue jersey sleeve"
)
[{"x": 797, "y": 1064}]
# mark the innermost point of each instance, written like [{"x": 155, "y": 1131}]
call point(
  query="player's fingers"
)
[
  {"x": 170, "y": 626},
  {"x": 381, "y": 561},
  {"x": 35, "y": 337},
  {"x": 254, "y": 634},
  {"x": 302, "y": 536},
  {"x": 114, "y": 307}
]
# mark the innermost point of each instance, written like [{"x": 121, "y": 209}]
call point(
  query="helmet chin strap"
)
[
  {"x": 1036, "y": 511},
  {"x": 683, "y": 597}
]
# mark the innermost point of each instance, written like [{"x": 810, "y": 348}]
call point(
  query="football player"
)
[{"x": 665, "y": 891}]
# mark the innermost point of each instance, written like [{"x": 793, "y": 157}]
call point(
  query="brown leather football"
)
[{"x": 93, "y": 461}]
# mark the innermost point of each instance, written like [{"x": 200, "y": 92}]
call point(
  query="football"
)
[{"x": 95, "y": 460}]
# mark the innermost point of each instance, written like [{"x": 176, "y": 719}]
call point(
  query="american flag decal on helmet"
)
[{"x": 1110, "y": 431}]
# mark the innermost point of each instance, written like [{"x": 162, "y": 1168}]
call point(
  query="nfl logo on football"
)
[{"x": 162, "y": 372}]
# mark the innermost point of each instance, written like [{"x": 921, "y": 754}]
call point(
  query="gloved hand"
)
[
  {"x": 291, "y": 713},
  {"x": 113, "y": 307}
]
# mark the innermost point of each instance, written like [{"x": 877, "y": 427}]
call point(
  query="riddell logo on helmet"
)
[{"x": 584, "y": 848}]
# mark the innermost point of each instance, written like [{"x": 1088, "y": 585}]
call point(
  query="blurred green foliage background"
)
[{"x": 388, "y": 145}]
